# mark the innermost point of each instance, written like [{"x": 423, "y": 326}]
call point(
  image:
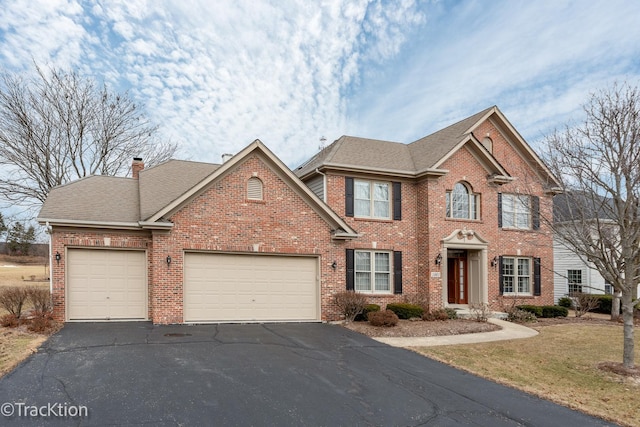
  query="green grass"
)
[{"x": 560, "y": 364}]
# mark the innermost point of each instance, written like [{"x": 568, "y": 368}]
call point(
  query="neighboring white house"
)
[{"x": 571, "y": 274}]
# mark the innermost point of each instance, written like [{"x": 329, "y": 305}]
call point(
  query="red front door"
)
[{"x": 457, "y": 280}]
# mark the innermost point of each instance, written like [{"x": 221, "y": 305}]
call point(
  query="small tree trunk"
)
[
  {"x": 615, "y": 305},
  {"x": 627, "y": 316}
]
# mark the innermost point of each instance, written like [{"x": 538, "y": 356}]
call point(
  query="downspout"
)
[
  {"x": 324, "y": 185},
  {"x": 49, "y": 231}
]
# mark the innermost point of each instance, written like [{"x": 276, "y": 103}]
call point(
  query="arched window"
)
[
  {"x": 462, "y": 203},
  {"x": 254, "y": 188}
]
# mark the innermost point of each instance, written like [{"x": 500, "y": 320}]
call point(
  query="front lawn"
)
[
  {"x": 16, "y": 345},
  {"x": 559, "y": 364}
]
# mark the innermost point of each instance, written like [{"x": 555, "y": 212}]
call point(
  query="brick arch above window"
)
[{"x": 255, "y": 189}]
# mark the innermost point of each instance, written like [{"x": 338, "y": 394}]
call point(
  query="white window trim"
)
[
  {"x": 372, "y": 272},
  {"x": 474, "y": 208},
  {"x": 372, "y": 199},
  {"x": 515, "y": 276},
  {"x": 515, "y": 212}
]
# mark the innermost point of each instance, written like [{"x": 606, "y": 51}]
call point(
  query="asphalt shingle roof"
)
[{"x": 425, "y": 153}]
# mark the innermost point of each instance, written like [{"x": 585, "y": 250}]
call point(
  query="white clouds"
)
[{"x": 216, "y": 75}]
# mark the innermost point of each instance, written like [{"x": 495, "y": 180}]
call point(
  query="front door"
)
[{"x": 457, "y": 280}]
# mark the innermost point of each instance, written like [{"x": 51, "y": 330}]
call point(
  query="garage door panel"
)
[
  {"x": 228, "y": 287},
  {"x": 106, "y": 284}
]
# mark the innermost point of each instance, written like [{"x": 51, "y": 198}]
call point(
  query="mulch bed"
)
[{"x": 420, "y": 328}]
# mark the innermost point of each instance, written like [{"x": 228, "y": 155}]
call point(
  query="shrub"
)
[
  {"x": 584, "y": 302},
  {"x": 9, "y": 321},
  {"x": 419, "y": 299},
  {"x": 451, "y": 313},
  {"x": 520, "y": 316},
  {"x": 350, "y": 304},
  {"x": 12, "y": 299},
  {"x": 480, "y": 312},
  {"x": 565, "y": 302},
  {"x": 405, "y": 311},
  {"x": 41, "y": 322},
  {"x": 369, "y": 308},
  {"x": 535, "y": 309},
  {"x": 383, "y": 318},
  {"x": 40, "y": 299},
  {"x": 605, "y": 303},
  {"x": 438, "y": 314},
  {"x": 550, "y": 311}
]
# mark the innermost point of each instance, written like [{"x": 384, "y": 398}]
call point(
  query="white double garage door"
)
[{"x": 107, "y": 284}]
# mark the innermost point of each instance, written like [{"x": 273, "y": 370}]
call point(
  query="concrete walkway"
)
[{"x": 509, "y": 331}]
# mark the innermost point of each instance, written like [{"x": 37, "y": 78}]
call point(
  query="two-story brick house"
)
[
  {"x": 463, "y": 206},
  {"x": 452, "y": 217}
]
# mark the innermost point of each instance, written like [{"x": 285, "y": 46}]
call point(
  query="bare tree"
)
[
  {"x": 597, "y": 163},
  {"x": 59, "y": 126}
]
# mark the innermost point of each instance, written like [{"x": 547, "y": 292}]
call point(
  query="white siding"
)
[{"x": 563, "y": 260}]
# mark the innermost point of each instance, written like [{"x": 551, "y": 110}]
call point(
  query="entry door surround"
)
[{"x": 474, "y": 247}]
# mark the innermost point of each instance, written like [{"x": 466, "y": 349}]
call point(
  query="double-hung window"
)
[
  {"x": 372, "y": 272},
  {"x": 516, "y": 275},
  {"x": 516, "y": 211},
  {"x": 574, "y": 280},
  {"x": 372, "y": 199},
  {"x": 462, "y": 203}
]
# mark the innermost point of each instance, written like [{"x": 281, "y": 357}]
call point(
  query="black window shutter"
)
[
  {"x": 350, "y": 270},
  {"x": 535, "y": 212},
  {"x": 397, "y": 272},
  {"x": 500, "y": 274},
  {"x": 500, "y": 211},
  {"x": 348, "y": 196},
  {"x": 397, "y": 201},
  {"x": 537, "y": 285}
]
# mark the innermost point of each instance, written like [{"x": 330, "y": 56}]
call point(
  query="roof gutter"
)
[{"x": 106, "y": 224}]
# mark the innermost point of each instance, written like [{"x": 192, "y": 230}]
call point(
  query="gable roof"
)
[
  {"x": 146, "y": 202},
  {"x": 162, "y": 184},
  {"x": 426, "y": 155}
]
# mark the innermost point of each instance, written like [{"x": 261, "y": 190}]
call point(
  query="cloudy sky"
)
[{"x": 215, "y": 75}]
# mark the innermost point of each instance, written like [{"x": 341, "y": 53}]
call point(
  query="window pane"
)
[
  {"x": 381, "y": 209},
  {"x": 449, "y": 214},
  {"x": 508, "y": 213},
  {"x": 507, "y": 266},
  {"x": 363, "y": 281},
  {"x": 382, "y": 282},
  {"x": 523, "y": 267},
  {"x": 363, "y": 261},
  {"x": 473, "y": 207},
  {"x": 523, "y": 285},
  {"x": 382, "y": 262},
  {"x": 362, "y": 190},
  {"x": 460, "y": 202},
  {"x": 362, "y": 198},
  {"x": 381, "y": 191},
  {"x": 362, "y": 208},
  {"x": 522, "y": 220},
  {"x": 507, "y": 282}
]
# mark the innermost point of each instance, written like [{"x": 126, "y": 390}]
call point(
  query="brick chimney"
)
[{"x": 136, "y": 167}]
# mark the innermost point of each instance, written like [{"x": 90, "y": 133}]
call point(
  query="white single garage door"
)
[
  {"x": 246, "y": 288},
  {"x": 105, "y": 284}
]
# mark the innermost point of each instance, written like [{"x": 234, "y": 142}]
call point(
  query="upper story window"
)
[
  {"x": 254, "y": 189},
  {"x": 372, "y": 199},
  {"x": 462, "y": 203},
  {"x": 516, "y": 211}
]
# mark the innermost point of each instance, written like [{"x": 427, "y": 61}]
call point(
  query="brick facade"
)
[{"x": 222, "y": 219}]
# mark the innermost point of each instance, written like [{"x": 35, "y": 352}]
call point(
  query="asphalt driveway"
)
[{"x": 131, "y": 374}]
